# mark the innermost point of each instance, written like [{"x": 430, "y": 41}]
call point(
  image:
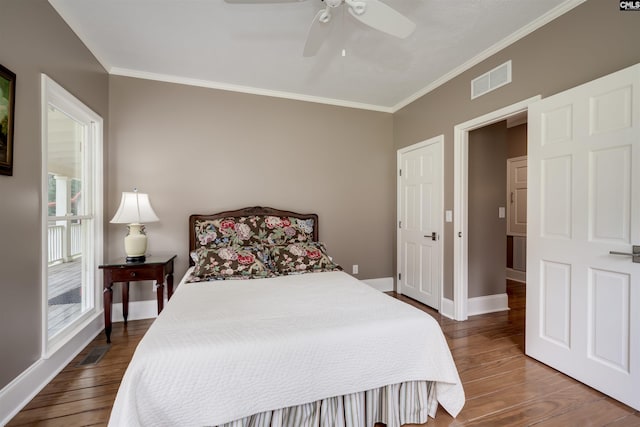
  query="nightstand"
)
[{"x": 153, "y": 268}]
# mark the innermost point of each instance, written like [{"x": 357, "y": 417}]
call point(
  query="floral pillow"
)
[
  {"x": 300, "y": 258},
  {"x": 283, "y": 230},
  {"x": 229, "y": 262},
  {"x": 243, "y": 231},
  {"x": 253, "y": 230}
]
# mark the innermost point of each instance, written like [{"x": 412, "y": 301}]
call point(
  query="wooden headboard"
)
[{"x": 252, "y": 211}]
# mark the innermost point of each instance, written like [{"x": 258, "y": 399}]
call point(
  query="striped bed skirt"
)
[{"x": 394, "y": 405}]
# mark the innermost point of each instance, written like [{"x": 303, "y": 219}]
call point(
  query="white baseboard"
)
[
  {"x": 19, "y": 392},
  {"x": 487, "y": 304},
  {"x": 446, "y": 308},
  {"x": 516, "y": 275},
  {"x": 383, "y": 284}
]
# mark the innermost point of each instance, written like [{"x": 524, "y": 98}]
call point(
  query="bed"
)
[{"x": 300, "y": 343}]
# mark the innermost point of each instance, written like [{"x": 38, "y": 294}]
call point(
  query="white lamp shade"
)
[{"x": 135, "y": 208}]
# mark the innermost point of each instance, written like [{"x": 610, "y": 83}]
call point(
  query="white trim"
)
[
  {"x": 488, "y": 304},
  {"x": 503, "y": 44},
  {"x": 245, "y": 89},
  {"x": 383, "y": 284},
  {"x": 54, "y": 94},
  {"x": 137, "y": 310},
  {"x": 516, "y": 276},
  {"x": 446, "y": 308},
  {"x": 435, "y": 140},
  {"x": 460, "y": 198},
  {"x": 19, "y": 392}
]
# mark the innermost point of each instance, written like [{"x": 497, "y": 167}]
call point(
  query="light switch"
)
[
  {"x": 448, "y": 216},
  {"x": 501, "y": 212}
]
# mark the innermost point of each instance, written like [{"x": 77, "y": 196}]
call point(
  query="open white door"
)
[
  {"x": 420, "y": 226},
  {"x": 583, "y": 303}
]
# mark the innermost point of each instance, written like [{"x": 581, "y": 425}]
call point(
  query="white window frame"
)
[{"x": 54, "y": 94}]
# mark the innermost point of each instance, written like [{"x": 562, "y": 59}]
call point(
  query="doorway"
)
[{"x": 461, "y": 199}]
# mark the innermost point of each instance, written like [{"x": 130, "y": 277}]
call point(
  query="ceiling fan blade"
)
[
  {"x": 384, "y": 18},
  {"x": 318, "y": 32}
]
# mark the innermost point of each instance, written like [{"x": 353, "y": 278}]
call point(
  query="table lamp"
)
[{"x": 135, "y": 209}]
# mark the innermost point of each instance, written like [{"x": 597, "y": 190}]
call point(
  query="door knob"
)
[
  {"x": 635, "y": 255},
  {"x": 434, "y": 236}
]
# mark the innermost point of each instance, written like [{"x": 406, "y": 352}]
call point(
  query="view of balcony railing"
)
[
  {"x": 64, "y": 244},
  {"x": 64, "y": 252}
]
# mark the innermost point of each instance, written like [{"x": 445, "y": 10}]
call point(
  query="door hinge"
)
[
  {"x": 400, "y": 172},
  {"x": 399, "y": 276},
  {"x": 399, "y": 224}
]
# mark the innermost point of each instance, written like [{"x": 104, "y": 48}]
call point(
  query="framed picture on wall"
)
[{"x": 7, "y": 107}]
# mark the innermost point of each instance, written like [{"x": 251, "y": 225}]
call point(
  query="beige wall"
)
[
  {"x": 34, "y": 40},
  {"x": 487, "y": 192},
  {"x": 198, "y": 150},
  {"x": 517, "y": 141},
  {"x": 201, "y": 150},
  {"x": 590, "y": 41}
]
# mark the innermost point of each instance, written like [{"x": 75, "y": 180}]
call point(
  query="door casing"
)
[{"x": 460, "y": 200}]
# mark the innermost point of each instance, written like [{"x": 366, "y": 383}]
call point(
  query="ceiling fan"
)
[{"x": 373, "y": 13}]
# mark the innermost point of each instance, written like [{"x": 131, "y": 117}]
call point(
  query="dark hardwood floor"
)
[{"x": 502, "y": 385}]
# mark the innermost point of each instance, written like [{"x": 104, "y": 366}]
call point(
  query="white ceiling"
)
[{"x": 257, "y": 48}]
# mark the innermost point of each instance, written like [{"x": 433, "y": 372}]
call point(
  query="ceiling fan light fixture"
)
[
  {"x": 372, "y": 13},
  {"x": 333, "y": 3}
]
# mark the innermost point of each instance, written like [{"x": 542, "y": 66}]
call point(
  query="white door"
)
[
  {"x": 517, "y": 196},
  {"x": 420, "y": 221},
  {"x": 583, "y": 303}
]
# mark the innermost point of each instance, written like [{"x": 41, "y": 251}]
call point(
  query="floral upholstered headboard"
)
[
  {"x": 255, "y": 243},
  {"x": 250, "y": 227}
]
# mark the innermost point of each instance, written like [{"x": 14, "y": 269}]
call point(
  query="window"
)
[{"x": 72, "y": 214}]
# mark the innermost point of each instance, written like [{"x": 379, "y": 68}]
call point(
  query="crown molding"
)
[
  {"x": 244, "y": 89},
  {"x": 502, "y": 44}
]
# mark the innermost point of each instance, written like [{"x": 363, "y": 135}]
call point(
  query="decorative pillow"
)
[
  {"x": 231, "y": 262},
  {"x": 301, "y": 257},
  {"x": 280, "y": 231},
  {"x": 253, "y": 230},
  {"x": 242, "y": 231}
]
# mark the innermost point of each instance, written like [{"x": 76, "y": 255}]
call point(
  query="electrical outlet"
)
[{"x": 354, "y": 269}]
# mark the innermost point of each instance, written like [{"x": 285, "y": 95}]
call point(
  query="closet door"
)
[{"x": 517, "y": 196}]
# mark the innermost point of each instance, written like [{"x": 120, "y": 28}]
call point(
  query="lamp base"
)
[{"x": 135, "y": 244}]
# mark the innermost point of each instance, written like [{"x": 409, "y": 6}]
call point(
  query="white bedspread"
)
[{"x": 226, "y": 350}]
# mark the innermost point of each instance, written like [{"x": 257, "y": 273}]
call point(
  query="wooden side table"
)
[{"x": 153, "y": 268}]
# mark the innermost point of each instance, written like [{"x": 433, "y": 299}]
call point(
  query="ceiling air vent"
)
[{"x": 499, "y": 76}]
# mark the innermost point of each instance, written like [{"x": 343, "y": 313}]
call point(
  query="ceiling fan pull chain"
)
[{"x": 358, "y": 7}]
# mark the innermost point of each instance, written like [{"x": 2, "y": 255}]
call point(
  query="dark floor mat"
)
[{"x": 70, "y": 297}]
